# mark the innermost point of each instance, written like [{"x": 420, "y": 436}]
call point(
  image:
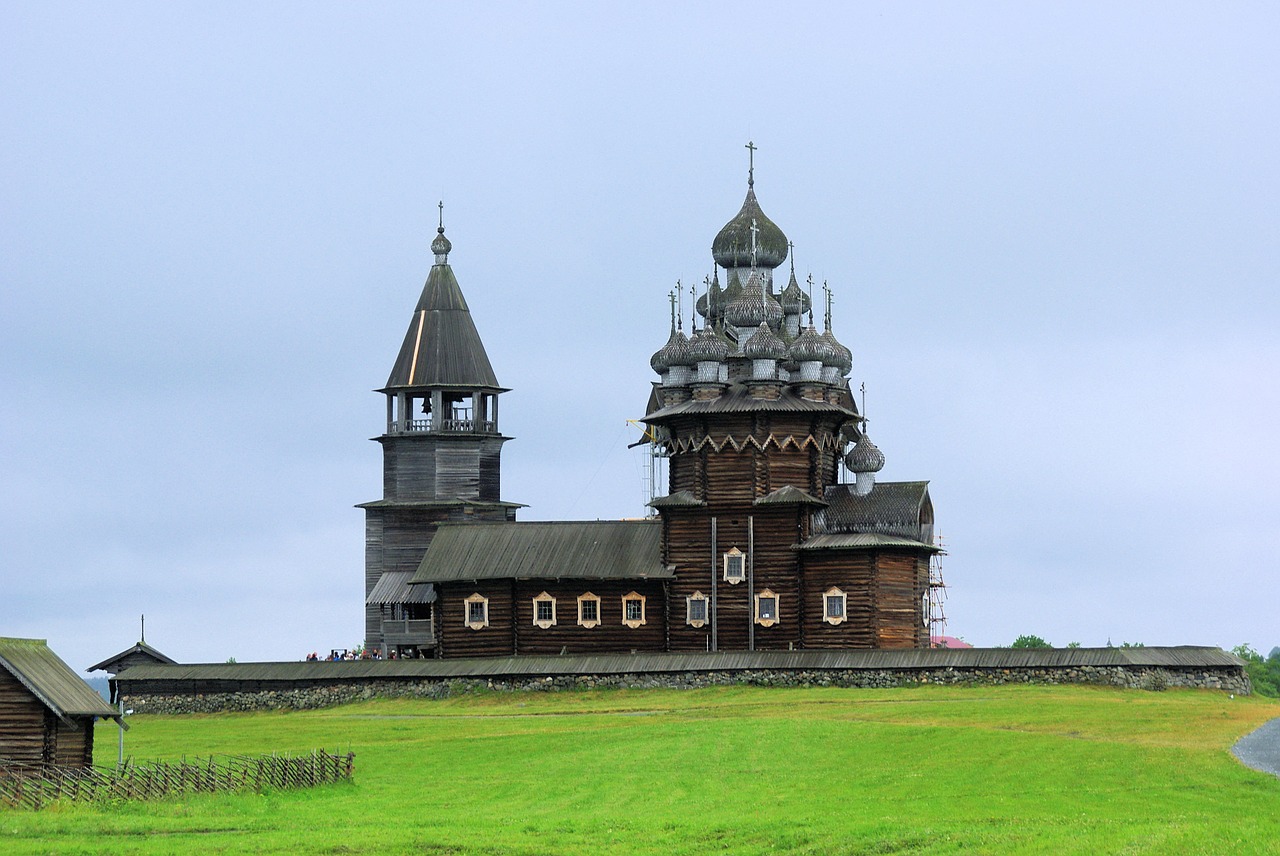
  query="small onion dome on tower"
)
[
  {"x": 732, "y": 246},
  {"x": 674, "y": 353},
  {"x": 844, "y": 356},
  {"x": 809, "y": 347},
  {"x": 711, "y": 305},
  {"x": 864, "y": 461},
  {"x": 732, "y": 288},
  {"x": 754, "y": 306},
  {"x": 842, "y": 360},
  {"x": 764, "y": 344},
  {"x": 864, "y": 457},
  {"x": 794, "y": 300},
  {"x": 707, "y": 347},
  {"x": 811, "y": 353},
  {"x": 441, "y": 247}
]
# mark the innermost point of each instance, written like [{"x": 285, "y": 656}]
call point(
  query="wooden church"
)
[{"x": 758, "y": 544}]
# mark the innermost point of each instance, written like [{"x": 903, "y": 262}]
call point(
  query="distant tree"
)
[
  {"x": 1264, "y": 674},
  {"x": 1132, "y": 645},
  {"x": 1029, "y": 641},
  {"x": 231, "y": 659},
  {"x": 1073, "y": 644}
]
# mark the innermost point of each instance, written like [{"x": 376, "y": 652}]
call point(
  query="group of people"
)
[{"x": 364, "y": 654}]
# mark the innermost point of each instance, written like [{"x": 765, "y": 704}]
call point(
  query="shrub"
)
[{"x": 1030, "y": 641}]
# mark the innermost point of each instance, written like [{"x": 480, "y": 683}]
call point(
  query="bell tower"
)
[{"x": 441, "y": 456}]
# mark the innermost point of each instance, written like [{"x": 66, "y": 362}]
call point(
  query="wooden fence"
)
[{"x": 34, "y": 786}]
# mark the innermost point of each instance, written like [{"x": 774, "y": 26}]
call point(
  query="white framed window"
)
[
  {"x": 696, "y": 607},
  {"x": 633, "y": 609},
  {"x": 588, "y": 610},
  {"x": 475, "y": 612},
  {"x": 766, "y": 608},
  {"x": 735, "y": 566},
  {"x": 544, "y": 611},
  {"x": 835, "y": 605}
]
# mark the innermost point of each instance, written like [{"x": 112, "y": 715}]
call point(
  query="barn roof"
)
[
  {"x": 657, "y": 663},
  {"x": 138, "y": 648},
  {"x": 601, "y": 549},
  {"x": 442, "y": 346},
  {"x": 393, "y": 587},
  {"x": 51, "y": 680},
  {"x": 890, "y": 508}
]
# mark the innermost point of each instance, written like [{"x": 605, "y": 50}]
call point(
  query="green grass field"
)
[{"x": 1016, "y": 769}]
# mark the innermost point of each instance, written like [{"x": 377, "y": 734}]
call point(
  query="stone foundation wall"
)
[{"x": 306, "y": 698}]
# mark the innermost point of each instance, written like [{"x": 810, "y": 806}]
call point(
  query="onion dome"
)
[
  {"x": 732, "y": 288},
  {"x": 713, "y": 301},
  {"x": 809, "y": 346},
  {"x": 674, "y": 353},
  {"x": 794, "y": 300},
  {"x": 754, "y": 306},
  {"x": 844, "y": 356},
  {"x": 732, "y": 246},
  {"x": 864, "y": 457},
  {"x": 706, "y": 346},
  {"x": 441, "y": 246},
  {"x": 764, "y": 344}
]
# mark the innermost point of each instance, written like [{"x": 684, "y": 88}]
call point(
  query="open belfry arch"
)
[{"x": 774, "y": 532}]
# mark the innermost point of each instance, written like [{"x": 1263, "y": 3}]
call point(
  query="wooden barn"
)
[
  {"x": 138, "y": 654},
  {"x": 46, "y": 710},
  {"x": 775, "y": 533}
]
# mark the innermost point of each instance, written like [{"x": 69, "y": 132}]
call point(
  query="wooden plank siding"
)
[
  {"x": 512, "y": 629},
  {"x": 30, "y": 733},
  {"x": 22, "y": 722}
]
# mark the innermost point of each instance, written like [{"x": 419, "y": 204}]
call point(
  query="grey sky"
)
[{"x": 1051, "y": 231}]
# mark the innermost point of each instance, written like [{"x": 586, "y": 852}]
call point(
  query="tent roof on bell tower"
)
[{"x": 442, "y": 347}]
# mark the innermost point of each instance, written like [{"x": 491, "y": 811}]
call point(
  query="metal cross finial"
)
[
  {"x": 751, "y": 164},
  {"x": 791, "y": 247},
  {"x": 862, "y": 387},
  {"x": 441, "y": 207},
  {"x": 671, "y": 298},
  {"x": 678, "y": 296},
  {"x": 755, "y": 230},
  {"x": 693, "y": 308},
  {"x": 826, "y": 318},
  {"x": 809, "y": 280}
]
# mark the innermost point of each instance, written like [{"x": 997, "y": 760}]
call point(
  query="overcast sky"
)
[{"x": 1052, "y": 233}]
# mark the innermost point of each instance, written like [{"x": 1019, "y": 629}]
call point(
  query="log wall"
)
[
  {"x": 512, "y": 629},
  {"x": 22, "y": 722}
]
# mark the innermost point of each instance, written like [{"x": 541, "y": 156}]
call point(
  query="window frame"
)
[
  {"x": 483, "y": 602},
  {"x": 633, "y": 597},
  {"x": 544, "y": 623},
  {"x": 741, "y": 557},
  {"x": 688, "y": 610},
  {"x": 588, "y": 622},
  {"x": 777, "y": 608},
  {"x": 844, "y": 606}
]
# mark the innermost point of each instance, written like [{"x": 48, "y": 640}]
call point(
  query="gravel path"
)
[{"x": 1260, "y": 749}]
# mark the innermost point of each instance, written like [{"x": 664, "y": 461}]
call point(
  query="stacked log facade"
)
[{"x": 30, "y": 733}]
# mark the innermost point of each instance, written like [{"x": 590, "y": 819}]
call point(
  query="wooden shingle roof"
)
[
  {"x": 139, "y": 650},
  {"x": 900, "y": 509},
  {"x": 442, "y": 347},
  {"x": 601, "y": 549},
  {"x": 51, "y": 680},
  {"x": 657, "y": 663}
]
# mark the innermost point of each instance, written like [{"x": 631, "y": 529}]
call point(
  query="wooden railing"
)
[
  {"x": 451, "y": 426},
  {"x": 408, "y": 631}
]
